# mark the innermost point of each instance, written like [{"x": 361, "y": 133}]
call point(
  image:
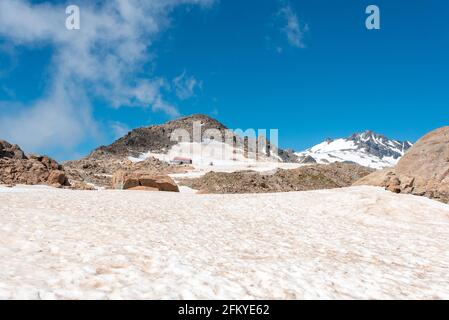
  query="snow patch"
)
[{"x": 354, "y": 243}]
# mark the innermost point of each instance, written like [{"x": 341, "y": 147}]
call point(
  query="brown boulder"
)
[
  {"x": 140, "y": 188},
  {"x": 163, "y": 183},
  {"x": 57, "y": 177},
  {"x": 428, "y": 160},
  {"x": 423, "y": 170},
  {"x": 377, "y": 178},
  {"x": 123, "y": 180},
  {"x": 395, "y": 188}
]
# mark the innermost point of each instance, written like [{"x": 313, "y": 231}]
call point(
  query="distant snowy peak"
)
[
  {"x": 380, "y": 145},
  {"x": 366, "y": 148}
]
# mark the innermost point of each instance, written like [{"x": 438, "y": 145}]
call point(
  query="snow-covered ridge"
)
[{"x": 367, "y": 148}]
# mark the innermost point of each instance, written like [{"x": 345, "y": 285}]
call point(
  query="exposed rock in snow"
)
[
  {"x": 350, "y": 243},
  {"x": 313, "y": 177}
]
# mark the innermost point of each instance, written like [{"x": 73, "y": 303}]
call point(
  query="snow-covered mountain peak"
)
[{"x": 365, "y": 148}]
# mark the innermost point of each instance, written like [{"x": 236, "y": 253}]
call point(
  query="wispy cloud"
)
[
  {"x": 185, "y": 86},
  {"x": 292, "y": 27},
  {"x": 103, "y": 60}
]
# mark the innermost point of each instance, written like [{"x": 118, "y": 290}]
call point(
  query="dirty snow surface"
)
[{"x": 349, "y": 243}]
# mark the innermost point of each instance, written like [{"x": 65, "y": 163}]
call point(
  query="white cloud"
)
[
  {"x": 102, "y": 60},
  {"x": 52, "y": 121},
  {"x": 185, "y": 86},
  {"x": 292, "y": 27}
]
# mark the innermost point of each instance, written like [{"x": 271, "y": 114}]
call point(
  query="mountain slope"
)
[
  {"x": 367, "y": 148},
  {"x": 157, "y": 139}
]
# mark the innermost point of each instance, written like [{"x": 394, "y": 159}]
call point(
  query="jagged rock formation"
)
[
  {"x": 379, "y": 145},
  {"x": 17, "y": 168},
  {"x": 367, "y": 148},
  {"x": 288, "y": 155},
  {"x": 423, "y": 170},
  {"x": 311, "y": 177},
  {"x": 8, "y": 150}
]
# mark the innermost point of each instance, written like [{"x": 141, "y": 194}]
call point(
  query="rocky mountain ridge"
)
[
  {"x": 366, "y": 148},
  {"x": 158, "y": 138}
]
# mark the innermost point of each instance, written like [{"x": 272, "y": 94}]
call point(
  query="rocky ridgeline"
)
[
  {"x": 366, "y": 148},
  {"x": 157, "y": 138},
  {"x": 17, "y": 168},
  {"x": 423, "y": 170},
  {"x": 379, "y": 145},
  {"x": 312, "y": 177}
]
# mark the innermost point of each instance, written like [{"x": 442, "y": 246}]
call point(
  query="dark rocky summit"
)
[{"x": 158, "y": 138}]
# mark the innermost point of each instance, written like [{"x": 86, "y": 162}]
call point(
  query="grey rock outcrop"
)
[{"x": 308, "y": 160}]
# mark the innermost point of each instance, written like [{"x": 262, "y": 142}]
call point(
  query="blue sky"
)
[{"x": 308, "y": 68}]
